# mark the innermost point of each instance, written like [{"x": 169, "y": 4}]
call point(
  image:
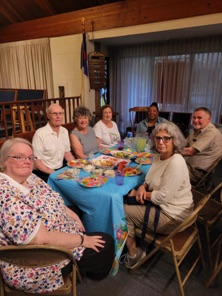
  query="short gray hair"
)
[
  {"x": 6, "y": 148},
  {"x": 173, "y": 130},
  {"x": 81, "y": 111},
  {"x": 48, "y": 110}
]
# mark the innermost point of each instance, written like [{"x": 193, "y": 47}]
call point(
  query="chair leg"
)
[
  {"x": 176, "y": 265},
  {"x": 214, "y": 275},
  {"x": 201, "y": 252},
  {"x": 74, "y": 280},
  {"x": 217, "y": 267},
  {"x": 207, "y": 232}
]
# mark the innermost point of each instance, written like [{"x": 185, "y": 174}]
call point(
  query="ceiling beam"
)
[{"x": 117, "y": 15}]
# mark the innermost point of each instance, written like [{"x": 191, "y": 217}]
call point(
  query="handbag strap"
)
[{"x": 155, "y": 222}]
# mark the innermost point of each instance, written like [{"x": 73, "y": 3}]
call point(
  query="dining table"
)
[{"x": 102, "y": 207}]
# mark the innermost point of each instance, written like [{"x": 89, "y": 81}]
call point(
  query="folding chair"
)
[
  {"x": 208, "y": 217},
  {"x": 178, "y": 243},
  {"x": 218, "y": 263},
  {"x": 39, "y": 256},
  {"x": 205, "y": 183},
  {"x": 137, "y": 114}
]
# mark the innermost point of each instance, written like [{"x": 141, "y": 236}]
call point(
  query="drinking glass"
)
[
  {"x": 119, "y": 178},
  {"x": 140, "y": 143},
  {"x": 120, "y": 144},
  {"x": 75, "y": 173}
]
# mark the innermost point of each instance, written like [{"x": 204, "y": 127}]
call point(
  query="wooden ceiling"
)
[{"x": 17, "y": 11}]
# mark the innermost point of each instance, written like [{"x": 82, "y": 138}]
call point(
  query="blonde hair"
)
[{"x": 6, "y": 148}]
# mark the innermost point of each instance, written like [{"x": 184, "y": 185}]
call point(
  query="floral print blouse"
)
[{"x": 22, "y": 210}]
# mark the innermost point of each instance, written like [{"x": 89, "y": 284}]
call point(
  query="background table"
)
[{"x": 102, "y": 207}]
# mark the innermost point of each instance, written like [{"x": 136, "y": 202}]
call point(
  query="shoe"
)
[{"x": 133, "y": 262}]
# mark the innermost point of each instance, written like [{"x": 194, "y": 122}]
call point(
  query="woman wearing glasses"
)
[
  {"x": 32, "y": 213},
  {"x": 167, "y": 185}
]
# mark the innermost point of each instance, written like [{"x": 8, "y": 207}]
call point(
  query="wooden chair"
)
[
  {"x": 26, "y": 135},
  {"x": 6, "y": 96},
  {"x": 40, "y": 256},
  {"x": 205, "y": 183},
  {"x": 208, "y": 217},
  {"x": 137, "y": 114},
  {"x": 178, "y": 243}
]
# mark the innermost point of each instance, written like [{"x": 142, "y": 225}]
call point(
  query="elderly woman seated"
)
[
  {"x": 167, "y": 186},
  {"x": 106, "y": 130},
  {"x": 32, "y": 213},
  {"x": 82, "y": 137}
]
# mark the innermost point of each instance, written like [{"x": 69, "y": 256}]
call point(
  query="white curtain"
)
[
  {"x": 26, "y": 64},
  {"x": 179, "y": 74}
]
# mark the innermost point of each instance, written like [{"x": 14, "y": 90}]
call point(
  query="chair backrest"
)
[
  {"x": 183, "y": 121},
  {"x": 202, "y": 183},
  {"x": 137, "y": 114},
  {"x": 7, "y": 95},
  {"x": 189, "y": 220},
  {"x": 165, "y": 114},
  {"x": 31, "y": 94},
  {"x": 37, "y": 255},
  {"x": 34, "y": 255}
]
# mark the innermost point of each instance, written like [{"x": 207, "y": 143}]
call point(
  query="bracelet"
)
[{"x": 82, "y": 239}]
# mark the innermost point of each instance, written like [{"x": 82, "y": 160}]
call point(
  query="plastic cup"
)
[
  {"x": 140, "y": 143},
  {"x": 120, "y": 145},
  {"x": 119, "y": 178}
]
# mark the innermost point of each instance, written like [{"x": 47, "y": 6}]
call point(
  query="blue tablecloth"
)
[{"x": 102, "y": 207}]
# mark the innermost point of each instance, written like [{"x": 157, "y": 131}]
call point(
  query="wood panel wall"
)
[{"x": 121, "y": 14}]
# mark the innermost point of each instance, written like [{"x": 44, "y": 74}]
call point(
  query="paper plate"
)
[
  {"x": 93, "y": 181},
  {"x": 78, "y": 163},
  {"x": 122, "y": 154},
  {"x": 143, "y": 160},
  {"x": 131, "y": 171}
]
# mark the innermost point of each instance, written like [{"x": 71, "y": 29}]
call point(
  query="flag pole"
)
[{"x": 84, "y": 68}]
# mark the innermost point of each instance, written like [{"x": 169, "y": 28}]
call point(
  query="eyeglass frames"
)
[
  {"x": 57, "y": 113},
  {"x": 23, "y": 158},
  {"x": 165, "y": 139}
]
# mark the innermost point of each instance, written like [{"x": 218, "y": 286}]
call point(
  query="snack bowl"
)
[
  {"x": 104, "y": 163},
  {"x": 88, "y": 168},
  {"x": 98, "y": 171},
  {"x": 109, "y": 173}
]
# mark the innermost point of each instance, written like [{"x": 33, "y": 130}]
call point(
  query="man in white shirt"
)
[{"x": 51, "y": 143}]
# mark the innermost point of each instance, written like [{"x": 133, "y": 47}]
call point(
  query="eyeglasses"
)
[
  {"x": 164, "y": 139},
  {"x": 23, "y": 158},
  {"x": 57, "y": 113}
]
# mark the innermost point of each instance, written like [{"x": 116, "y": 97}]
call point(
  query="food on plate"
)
[
  {"x": 78, "y": 163},
  {"x": 143, "y": 160},
  {"x": 104, "y": 163},
  {"x": 88, "y": 168},
  {"x": 105, "y": 151},
  {"x": 122, "y": 154},
  {"x": 143, "y": 154},
  {"x": 93, "y": 181},
  {"x": 98, "y": 171},
  {"x": 69, "y": 174},
  {"x": 131, "y": 171},
  {"x": 109, "y": 173},
  {"x": 121, "y": 166}
]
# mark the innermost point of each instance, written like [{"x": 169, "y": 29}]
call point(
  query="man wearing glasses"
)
[
  {"x": 51, "y": 144},
  {"x": 203, "y": 145}
]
